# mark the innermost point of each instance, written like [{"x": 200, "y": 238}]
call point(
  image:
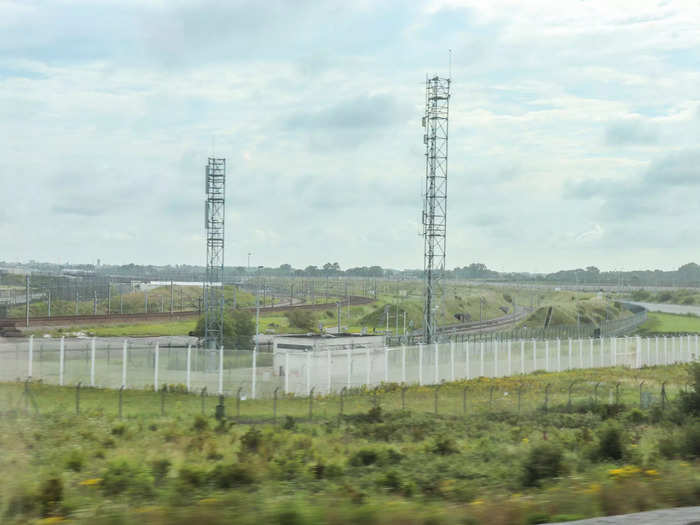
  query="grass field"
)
[
  {"x": 506, "y": 460},
  {"x": 660, "y": 323}
]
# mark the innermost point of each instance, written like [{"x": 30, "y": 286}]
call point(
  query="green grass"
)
[
  {"x": 376, "y": 464},
  {"x": 661, "y": 323}
]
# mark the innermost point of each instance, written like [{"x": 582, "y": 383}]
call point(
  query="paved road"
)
[
  {"x": 669, "y": 308},
  {"x": 680, "y": 516}
]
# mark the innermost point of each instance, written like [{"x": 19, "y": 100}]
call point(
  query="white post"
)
[
  {"x": 403, "y": 363},
  {"x": 665, "y": 350},
  {"x": 286, "y": 371},
  {"x": 648, "y": 361},
  {"x": 61, "y": 357},
  {"x": 580, "y": 353},
  {"x": 221, "y": 370},
  {"x": 697, "y": 348},
  {"x": 570, "y": 347},
  {"x": 155, "y": 368},
  {"x": 92, "y": 363},
  {"x": 591, "y": 352},
  {"x": 308, "y": 373},
  {"x": 386, "y": 364},
  {"x": 349, "y": 367},
  {"x": 546, "y": 355},
  {"x": 31, "y": 351},
  {"x": 522, "y": 356},
  {"x": 189, "y": 362},
  {"x": 638, "y": 348},
  {"x": 673, "y": 348},
  {"x": 124, "y": 362},
  {"x": 482, "y": 360},
  {"x": 613, "y": 351},
  {"x": 558, "y": 355},
  {"x": 420, "y": 364},
  {"x": 495, "y": 358},
  {"x": 452, "y": 360},
  {"x": 534, "y": 354},
  {"x": 329, "y": 362},
  {"x": 254, "y": 380},
  {"x": 437, "y": 367},
  {"x": 467, "y": 371},
  {"x": 510, "y": 358},
  {"x": 369, "y": 368},
  {"x": 656, "y": 347}
]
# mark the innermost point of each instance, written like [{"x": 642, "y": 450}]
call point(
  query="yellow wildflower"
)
[
  {"x": 478, "y": 501},
  {"x": 52, "y": 519},
  {"x": 206, "y": 501},
  {"x": 651, "y": 472},
  {"x": 90, "y": 482}
]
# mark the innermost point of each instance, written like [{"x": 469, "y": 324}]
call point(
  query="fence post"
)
[
  {"x": 156, "y": 357},
  {"x": 121, "y": 392},
  {"x": 495, "y": 358},
  {"x": 31, "y": 352},
  {"x": 238, "y": 402},
  {"x": 617, "y": 393},
  {"x": 403, "y": 363},
  {"x": 403, "y": 397},
  {"x": 203, "y": 396},
  {"x": 522, "y": 356},
  {"x": 640, "y": 394},
  {"x": 580, "y": 353},
  {"x": 534, "y": 354},
  {"x": 663, "y": 396},
  {"x": 452, "y": 360},
  {"x": 77, "y": 399},
  {"x": 255, "y": 374},
  {"x": 349, "y": 366},
  {"x": 467, "y": 367},
  {"x": 369, "y": 367},
  {"x": 189, "y": 362},
  {"x": 546, "y": 355},
  {"x": 546, "y": 397},
  {"x": 571, "y": 386},
  {"x": 221, "y": 370},
  {"x": 328, "y": 363},
  {"x": 666, "y": 360},
  {"x": 342, "y": 399},
  {"x": 436, "y": 374},
  {"x": 638, "y": 352},
  {"x": 491, "y": 397},
  {"x": 656, "y": 348},
  {"x": 520, "y": 391},
  {"x": 570, "y": 350},
  {"x": 386, "y": 364},
  {"x": 420, "y": 364},
  {"x": 311, "y": 403},
  {"x": 286, "y": 371},
  {"x": 61, "y": 360},
  {"x": 124, "y": 361},
  {"x": 613, "y": 351},
  {"x": 437, "y": 389},
  {"x": 481, "y": 370},
  {"x": 558, "y": 355},
  {"x": 92, "y": 362},
  {"x": 162, "y": 399},
  {"x": 274, "y": 405},
  {"x": 464, "y": 401},
  {"x": 595, "y": 393},
  {"x": 591, "y": 351},
  {"x": 510, "y": 358}
]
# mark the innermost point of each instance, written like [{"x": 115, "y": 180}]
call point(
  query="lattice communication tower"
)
[
  {"x": 435, "y": 122},
  {"x": 214, "y": 209}
]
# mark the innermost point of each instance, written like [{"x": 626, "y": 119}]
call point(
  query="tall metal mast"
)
[
  {"x": 214, "y": 211},
  {"x": 435, "y": 122}
]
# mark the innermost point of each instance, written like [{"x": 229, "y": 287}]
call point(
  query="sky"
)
[{"x": 574, "y": 131}]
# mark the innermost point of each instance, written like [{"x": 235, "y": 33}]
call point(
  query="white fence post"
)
[
  {"x": 658, "y": 355},
  {"x": 436, "y": 376},
  {"x": 591, "y": 351},
  {"x": 495, "y": 358},
  {"x": 558, "y": 355},
  {"x": 124, "y": 362},
  {"x": 369, "y": 367},
  {"x": 61, "y": 362},
  {"x": 482, "y": 360},
  {"x": 189, "y": 362},
  {"x": 467, "y": 370},
  {"x": 638, "y": 352},
  {"x": 546, "y": 355},
  {"x": 386, "y": 364},
  {"x": 286, "y": 371},
  {"x": 510, "y": 358},
  {"x": 92, "y": 363},
  {"x": 665, "y": 350},
  {"x": 403, "y": 363},
  {"x": 534, "y": 354},
  {"x": 420, "y": 364},
  {"x": 570, "y": 355},
  {"x": 155, "y": 367},
  {"x": 613, "y": 351},
  {"x": 349, "y": 366},
  {"x": 522, "y": 356},
  {"x": 308, "y": 373},
  {"x": 452, "y": 360},
  {"x": 221, "y": 370},
  {"x": 648, "y": 362},
  {"x": 31, "y": 352},
  {"x": 329, "y": 362},
  {"x": 580, "y": 353},
  {"x": 254, "y": 380}
]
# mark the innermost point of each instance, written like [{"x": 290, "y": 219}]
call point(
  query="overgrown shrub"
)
[
  {"x": 690, "y": 401},
  {"x": 543, "y": 462},
  {"x": 364, "y": 457},
  {"x": 289, "y": 423},
  {"x": 200, "y": 423},
  {"x": 610, "y": 443},
  {"x": 690, "y": 446},
  {"x": 302, "y": 319},
  {"x": 121, "y": 476},
  {"x": 251, "y": 440},
  {"x": 50, "y": 495},
  {"x": 75, "y": 460},
  {"x": 160, "y": 469},
  {"x": 231, "y": 476}
]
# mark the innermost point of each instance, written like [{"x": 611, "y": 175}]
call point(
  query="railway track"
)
[{"x": 57, "y": 320}]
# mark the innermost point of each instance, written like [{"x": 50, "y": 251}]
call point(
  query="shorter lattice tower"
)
[{"x": 214, "y": 211}]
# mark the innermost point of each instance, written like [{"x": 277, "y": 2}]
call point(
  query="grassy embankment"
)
[
  {"x": 377, "y": 464},
  {"x": 660, "y": 323}
]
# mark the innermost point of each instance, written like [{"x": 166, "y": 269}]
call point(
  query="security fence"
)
[{"x": 327, "y": 370}]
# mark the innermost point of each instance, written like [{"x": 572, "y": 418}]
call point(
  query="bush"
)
[
  {"x": 690, "y": 401},
  {"x": 610, "y": 443},
  {"x": 75, "y": 460},
  {"x": 444, "y": 445},
  {"x": 543, "y": 462},
  {"x": 231, "y": 476},
  {"x": 289, "y": 423},
  {"x": 690, "y": 447},
  {"x": 160, "y": 469},
  {"x": 302, "y": 319},
  {"x": 120, "y": 477},
  {"x": 200, "y": 423},
  {"x": 251, "y": 440},
  {"x": 364, "y": 457},
  {"x": 191, "y": 476},
  {"x": 50, "y": 496}
]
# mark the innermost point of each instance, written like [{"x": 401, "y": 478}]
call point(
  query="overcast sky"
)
[{"x": 574, "y": 130}]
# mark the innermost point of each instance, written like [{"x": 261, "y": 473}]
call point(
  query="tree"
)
[{"x": 239, "y": 328}]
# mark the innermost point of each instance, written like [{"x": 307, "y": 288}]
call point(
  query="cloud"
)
[{"x": 630, "y": 132}]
